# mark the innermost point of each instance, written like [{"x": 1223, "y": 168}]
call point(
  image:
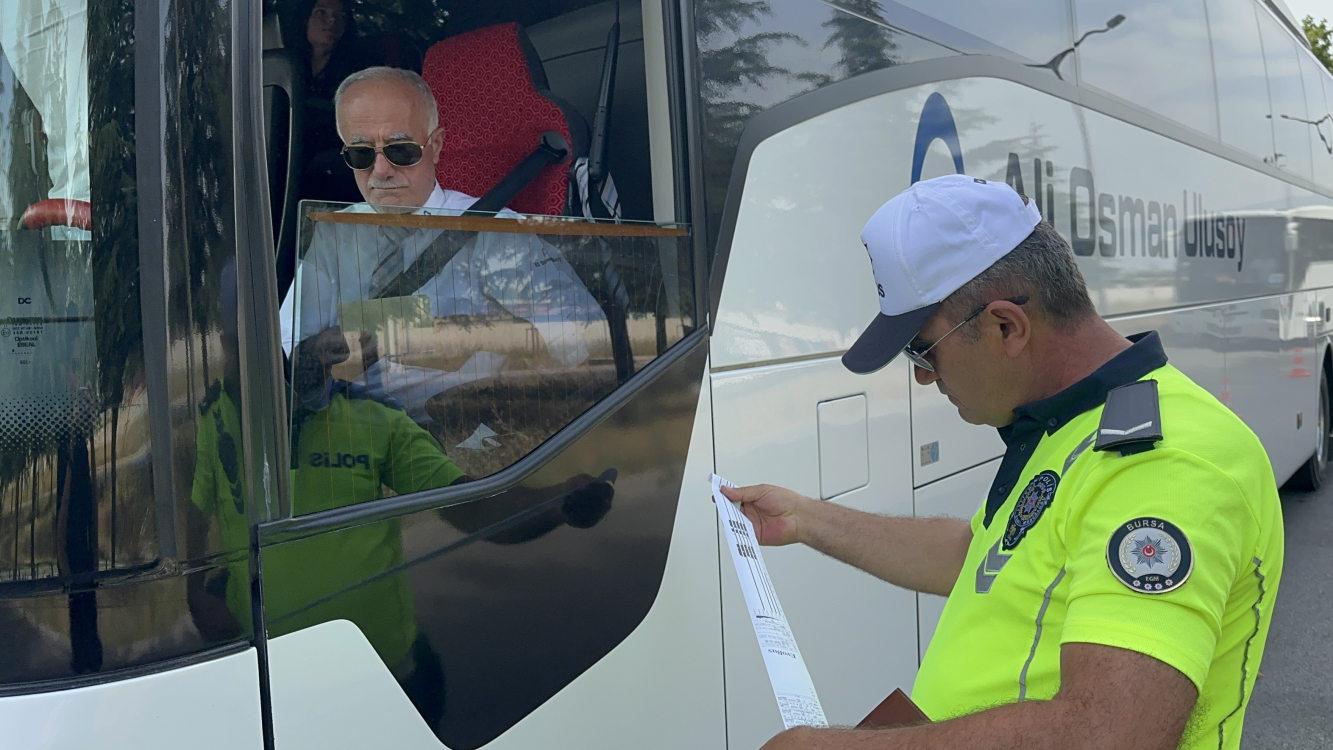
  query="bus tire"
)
[{"x": 1310, "y": 476}]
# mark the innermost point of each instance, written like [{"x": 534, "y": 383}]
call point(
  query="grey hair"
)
[
  {"x": 1041, "y": 267},
  {"x": 405, "y": 77}
]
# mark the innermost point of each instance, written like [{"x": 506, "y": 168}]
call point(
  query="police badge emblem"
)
[
  {"x": 1034, "y": 501},
  {"x": 1150, "y": 555}
]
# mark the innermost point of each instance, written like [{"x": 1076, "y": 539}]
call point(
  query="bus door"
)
[{"x": 492, "y": 387}]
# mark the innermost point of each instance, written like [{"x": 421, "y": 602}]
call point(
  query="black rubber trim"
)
[
  {"x": 887, "y": 80},
  {"x": 116, "y": 675},
  {"x": 149, "y": 150},
  {"x": 690, "y": 115},
  {"x": 290, "y": 529},
  {"x": 77, "y": 582},
  {"x": 262, "y": 393}
]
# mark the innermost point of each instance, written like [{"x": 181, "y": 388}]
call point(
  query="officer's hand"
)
[{"x": 773, "y": 511}]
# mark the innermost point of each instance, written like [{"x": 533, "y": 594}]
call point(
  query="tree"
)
[{"x": 1321, "y": 40}]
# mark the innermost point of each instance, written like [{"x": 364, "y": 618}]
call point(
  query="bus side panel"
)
[
  {"x": 1171, "y": 225},
  {"x": 1155, "y": 223},
  {"x": 857, "y": 634},
  {"x": 213, "y": 704},
  {"x": 1272, "y": 373},
  {"x": 1193, "y": 340}
]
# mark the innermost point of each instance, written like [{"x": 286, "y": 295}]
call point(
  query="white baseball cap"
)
[{"x": 926, "y": 243}]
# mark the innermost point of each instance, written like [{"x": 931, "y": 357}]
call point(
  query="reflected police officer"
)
[
  {"x": 347, "y": 447},
  {"x": 1116, "y": 587}
]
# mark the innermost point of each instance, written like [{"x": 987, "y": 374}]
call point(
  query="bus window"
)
[
  {"x": 1242, "y": 90},
  {"x": 1291, "y": 136},
  {"x": 76, "y": 490},
  {"x": 1125, "y": 46},
  {"x": 1328, "y": 99},
  {"x": 754, "y": 55},
  {"x": 1321, "y": 130},
  {"x": 1037, "y": 31},
  {"x": 428, "y": 347}
]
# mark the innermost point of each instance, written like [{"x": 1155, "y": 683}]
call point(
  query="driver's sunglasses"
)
[
  {"x": 918, "y": 357},
  {"x": 399, "y": 154}
]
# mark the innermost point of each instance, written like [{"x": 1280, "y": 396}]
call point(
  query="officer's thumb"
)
[{"x": 742, "y": 494}]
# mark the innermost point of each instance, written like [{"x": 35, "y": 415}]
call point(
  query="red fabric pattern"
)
[{"x": 493, "y": 117}]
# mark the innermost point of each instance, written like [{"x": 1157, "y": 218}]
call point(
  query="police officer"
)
[{"x": 1116, "y": 587}]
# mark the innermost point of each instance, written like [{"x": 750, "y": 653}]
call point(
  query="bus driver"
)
[
  {"x": 1116, "y": 587},
  {"x": 389, "y": 121}
]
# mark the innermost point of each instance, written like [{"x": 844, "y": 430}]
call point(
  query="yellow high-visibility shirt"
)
[{"x": 1174, "y": 551}]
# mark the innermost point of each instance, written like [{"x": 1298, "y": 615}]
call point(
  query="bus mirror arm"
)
[{"x": 601, "y": 124}]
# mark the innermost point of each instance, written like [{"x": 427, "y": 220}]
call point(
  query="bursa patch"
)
[
  {"x": 1034, "y": 501},
  {"x": 1150, "y": 555}
]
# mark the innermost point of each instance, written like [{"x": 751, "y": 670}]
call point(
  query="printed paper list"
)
[{"x": 795, "y": 693}]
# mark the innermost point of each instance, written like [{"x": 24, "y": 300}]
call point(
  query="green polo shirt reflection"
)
[
  {"x": 342, "y": 454},
  {"x": 217, "y": 490},
  {"x": 1041, "y": 570}
]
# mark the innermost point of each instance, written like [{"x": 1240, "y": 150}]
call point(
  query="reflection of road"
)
[{"x": 1290, "y": 707}]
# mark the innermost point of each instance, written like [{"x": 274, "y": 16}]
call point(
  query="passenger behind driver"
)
[
  {"x": 323, "y": 35},
  {"x": 389, "y": 121}
]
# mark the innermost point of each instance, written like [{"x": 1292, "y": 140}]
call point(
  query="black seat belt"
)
[
  {"x": 427, "y": 265},
  {"x": 552, "y": 148}
]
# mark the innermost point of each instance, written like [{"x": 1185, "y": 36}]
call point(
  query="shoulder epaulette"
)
[{"x": 1132, "y": 420}]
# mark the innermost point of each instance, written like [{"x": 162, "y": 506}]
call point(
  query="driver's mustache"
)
[{"x": 385, "y": 184}]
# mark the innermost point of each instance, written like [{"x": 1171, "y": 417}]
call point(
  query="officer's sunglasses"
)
[
  {"x": 918, "y": 356},
  {"x": 399, "y": 154}
]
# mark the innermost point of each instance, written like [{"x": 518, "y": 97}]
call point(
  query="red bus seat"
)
[{"x": 495, "y": 104}]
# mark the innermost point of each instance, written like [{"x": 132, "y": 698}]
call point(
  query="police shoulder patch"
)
[
  {"x": 1150, "y": 555},
  {"x": 1034, "y": 501}
]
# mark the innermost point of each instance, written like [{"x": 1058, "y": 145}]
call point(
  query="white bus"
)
[{"x": 220, "y": 528}]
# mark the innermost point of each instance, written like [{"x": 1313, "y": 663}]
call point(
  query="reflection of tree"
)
[
  {"x": 198, "y": 196},
  {"x": 423, "y": 21},
  {"x": 730, "y": 60},
  {"x": 865, "y": 46},
  {"x": 115, "y": 247}
]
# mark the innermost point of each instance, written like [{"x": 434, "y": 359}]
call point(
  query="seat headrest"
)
[{"x": 494, "y": 106}]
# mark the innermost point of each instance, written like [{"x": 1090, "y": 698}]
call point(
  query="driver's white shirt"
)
[{"x": 506, "y": 274}]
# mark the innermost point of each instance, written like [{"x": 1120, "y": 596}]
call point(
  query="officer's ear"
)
[{"x": 1012, "y": 325}]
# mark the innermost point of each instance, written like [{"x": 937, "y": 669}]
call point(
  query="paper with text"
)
[{"x": 797, "y": 701}]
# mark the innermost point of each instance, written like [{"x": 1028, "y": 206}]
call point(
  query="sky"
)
[{"x": 1317, "y": 8}]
